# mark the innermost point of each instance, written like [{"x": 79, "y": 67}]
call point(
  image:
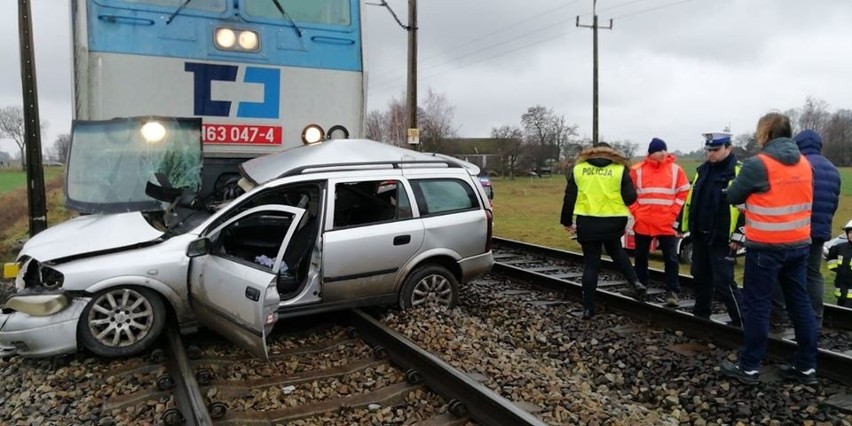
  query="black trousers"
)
[
  {"x": 592, "y": 266},
  {"x": 713, "y": 272},
  {"x": 668, "y": 245}
]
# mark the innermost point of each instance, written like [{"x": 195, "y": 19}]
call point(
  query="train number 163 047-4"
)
[{"x": 241, "y": 134}]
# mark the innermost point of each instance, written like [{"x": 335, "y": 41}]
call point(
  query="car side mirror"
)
[{"x": 199, "y": 247}]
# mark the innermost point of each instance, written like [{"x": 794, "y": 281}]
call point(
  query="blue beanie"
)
[{"x": 656, "y": 145}]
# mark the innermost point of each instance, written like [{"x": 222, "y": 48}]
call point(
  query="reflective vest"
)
[
  {"x": 661, "y": 190},
  {"x": 782, "y": 214},
  {"x": 733, "y": 210},
  {"x": 599, "y": 190}
]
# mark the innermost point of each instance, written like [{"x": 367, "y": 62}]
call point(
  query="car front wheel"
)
[
  {"x": 429, "y": 286},
  {"x": 122, "y": 321}
]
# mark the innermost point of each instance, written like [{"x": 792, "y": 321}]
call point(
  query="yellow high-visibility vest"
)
[{"x": 599, "y": 190}]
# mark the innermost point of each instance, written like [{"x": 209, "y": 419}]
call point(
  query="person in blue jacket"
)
[{"x": 826, "y": 198}]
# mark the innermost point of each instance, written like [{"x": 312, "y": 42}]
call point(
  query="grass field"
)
[
  {"x": 13, "y": 178},
  {"x": 528, "y": 209}
]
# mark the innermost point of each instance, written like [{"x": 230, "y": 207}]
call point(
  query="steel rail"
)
[
  {"x": 831, "y": 364},
  {"x": 481, "y": 404},
  {"x": 189, "y": 400},
  {"x": 833, "y": 316}
]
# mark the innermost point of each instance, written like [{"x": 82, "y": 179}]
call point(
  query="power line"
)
[
  {"x": 639, "y": 12},
  {"x": 391, "y": 84},
  {"x": 486, "y": 48},
  {"x": 503, "y": 29},
  {"x": 383, "y": 76}
]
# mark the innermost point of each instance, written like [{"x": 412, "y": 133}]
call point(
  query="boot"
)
[{"x": 641, "y": 291}]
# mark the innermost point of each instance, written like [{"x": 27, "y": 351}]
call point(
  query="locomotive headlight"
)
[
  {"x": 153, "y": 132},
  {"x": 312, "y": 133},
  {"x": 225, "y": 38},
  {"x": 248, "y": 40}
]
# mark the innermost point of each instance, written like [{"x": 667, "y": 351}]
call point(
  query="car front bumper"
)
[{"x": 30, "y": 336}]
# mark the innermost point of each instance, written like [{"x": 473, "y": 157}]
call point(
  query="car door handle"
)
[
  {"x": 252, "y": 294},
  {"x": 400, "y": 240}
]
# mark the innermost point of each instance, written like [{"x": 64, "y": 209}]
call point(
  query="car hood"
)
[{"x": 89, "y": 234}]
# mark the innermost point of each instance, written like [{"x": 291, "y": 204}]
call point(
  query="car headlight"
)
[
  {"x": 38, "y": 305},
  {"x": 35, "y": 274}
]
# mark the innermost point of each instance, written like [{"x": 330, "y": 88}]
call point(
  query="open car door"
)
[{"x": 233, "y": 287}]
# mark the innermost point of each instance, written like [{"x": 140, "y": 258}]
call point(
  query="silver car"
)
[{"x": 335, "y": 225}]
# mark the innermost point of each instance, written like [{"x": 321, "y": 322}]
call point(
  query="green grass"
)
[
  {"x": 528, "y": 209},
  {"x": 13, "y": 178}
]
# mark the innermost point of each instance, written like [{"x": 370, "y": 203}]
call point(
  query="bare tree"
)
[
  {"x": 538, "y": 131},
  {"x": 837, "y": 145},
  {"x": 813, "y": 115},
  {"x": 12, "y": 127},
  {"x": 745, "y": 145},
  {"x": 61, "y": 147},
  {"x": 375, "y": 126},
  {"x": 436, "y": 121},
  {"x": 510, "y": 141},
  {"x": 395, "y": 122},
  {"x": 626, "y": 148},
  {"x": 565, "y": 144}
]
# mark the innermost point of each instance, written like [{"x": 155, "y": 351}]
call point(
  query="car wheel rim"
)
[
  {"x": 432, "y": 290},
  {"x": 120, "y": 318}
]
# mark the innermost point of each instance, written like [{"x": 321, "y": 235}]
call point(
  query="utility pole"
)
[
  {"x": 411, "y": 92},
  {"x": 32, "y": 125},
  {"x": 413, "y": 133},
  {"x": 594, "y": 28}
]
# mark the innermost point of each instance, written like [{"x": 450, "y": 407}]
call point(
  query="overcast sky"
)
[{"x": 669, "y": 68}]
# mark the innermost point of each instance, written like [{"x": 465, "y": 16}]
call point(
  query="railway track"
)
[
  {"x": 562, "y": 270},
  {"x": 343, "y": 372}
]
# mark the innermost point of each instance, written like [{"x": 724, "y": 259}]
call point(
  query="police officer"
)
[
  {"x": 776, "y": 186},
  {"x": 598, "y": 193},
  {"x": 713, "y": 225},
  {"x": 838, "y": 258}
]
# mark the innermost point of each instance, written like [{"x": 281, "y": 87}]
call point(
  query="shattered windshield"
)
[{"x": 111, "y": 161}]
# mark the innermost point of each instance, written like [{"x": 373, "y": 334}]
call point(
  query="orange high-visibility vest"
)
[
  {"x": 661, "y": 190},
  {"x": 782, "y": 214}
]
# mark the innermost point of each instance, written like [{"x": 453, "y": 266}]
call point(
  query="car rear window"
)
[{"x": 438, "y": 196}]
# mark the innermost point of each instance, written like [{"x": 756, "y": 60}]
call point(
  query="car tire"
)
[
  {"x": 127, "y": 321},
  {"x": 430, "y": 285},
  {"x": 686, "y": 253}
]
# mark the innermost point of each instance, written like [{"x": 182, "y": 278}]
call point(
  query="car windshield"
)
[{"x": 110, "y": 162}]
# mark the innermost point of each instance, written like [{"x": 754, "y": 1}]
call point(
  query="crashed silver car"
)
[{"x": 334, "y": 225}]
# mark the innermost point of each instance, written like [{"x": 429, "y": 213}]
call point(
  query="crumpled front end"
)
[{"x": 40, "y": 336}]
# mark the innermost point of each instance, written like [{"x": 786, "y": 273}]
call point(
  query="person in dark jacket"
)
[
  {"x": 598, "y": 193},
  {"x": 839, "y": 256},
  {"x": 826, "y": 198},
  {"x": 715, "y": 228},
  {"x": 776, "y": 186}
]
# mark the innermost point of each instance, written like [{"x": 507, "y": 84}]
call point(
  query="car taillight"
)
[{"x": 490, "y": 216}]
